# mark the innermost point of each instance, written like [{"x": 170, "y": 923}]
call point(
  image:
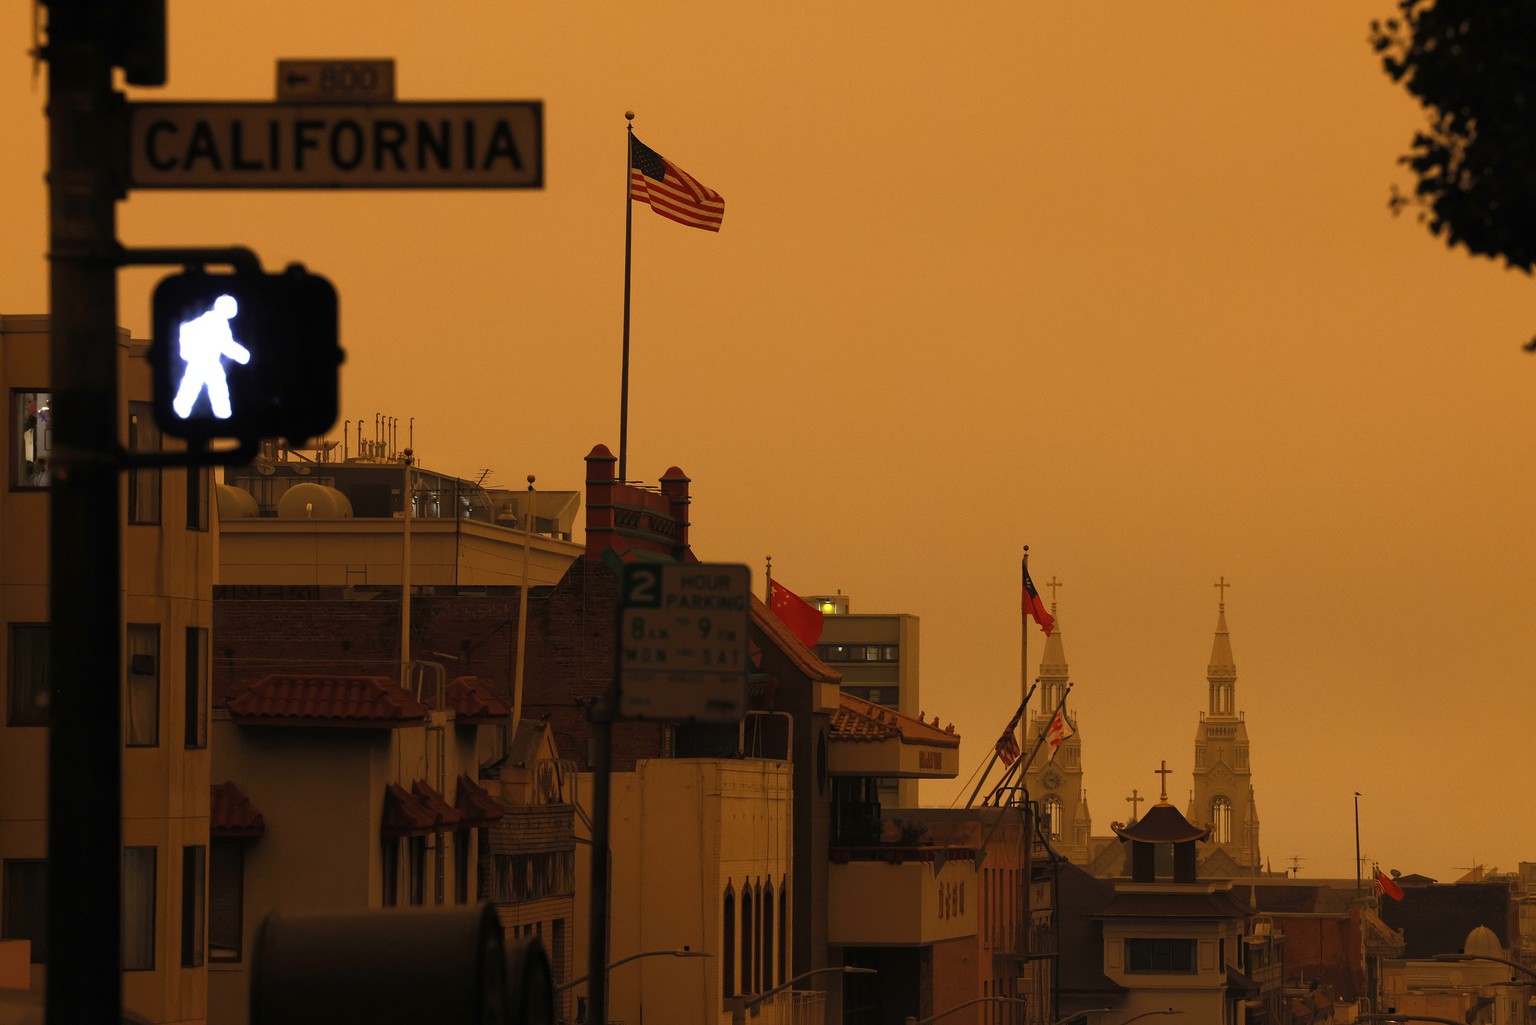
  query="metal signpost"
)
[
  {"x": 681, "y": 655},
  {"x": 335, "y": 126}
]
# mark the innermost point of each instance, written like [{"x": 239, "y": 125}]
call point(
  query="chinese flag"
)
[
  {"x": 794, "y": 612},
  {"x": 1387, "y": 885}
]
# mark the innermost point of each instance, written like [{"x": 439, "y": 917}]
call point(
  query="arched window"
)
[
  {"x": 747, "y": 899},
  {"x": 1221, "y": 820},
  {"x": 1053, "y": 817},
  {"x": 765, "y": 949},
  {"x": 728, "y": 962},
  {"x": 783, "y": 930}
]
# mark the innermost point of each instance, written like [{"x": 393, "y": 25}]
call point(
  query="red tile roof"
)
[
  {"x": 476, "y": 803},
  {"x": 475, "y": 702},
  {"x": 859, "y": 720},
  {"x": 368, "y": 701},
  {"x": 801, "y": 657},
  {"x": 231, "y": 813},
  {"x": 417, "y": 811}
]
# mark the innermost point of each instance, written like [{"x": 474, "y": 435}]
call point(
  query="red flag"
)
[
  {"x": 1034, "y": 607},
  {"x": 1387, "y": 885},
  {"x": 1008, "y": 744},
  {"x": 672, "y": 192},
  {"x": 795, "y": 612}
]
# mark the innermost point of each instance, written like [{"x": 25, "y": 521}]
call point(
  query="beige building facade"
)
[{"x": 168, "y": 557}]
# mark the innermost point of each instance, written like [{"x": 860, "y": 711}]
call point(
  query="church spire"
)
[
  {"x": 1053, "y": 669},
  {"x": 1221, "y": 673}
]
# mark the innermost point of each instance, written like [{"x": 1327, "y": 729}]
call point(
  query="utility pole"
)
[{"x": 85, "y": 615}]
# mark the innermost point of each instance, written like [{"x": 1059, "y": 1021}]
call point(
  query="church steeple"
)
[
  {"x": 1058, "y": 782},
  {"x": 1223, "y": 778},
  {"x": 1221, "y": 673}
]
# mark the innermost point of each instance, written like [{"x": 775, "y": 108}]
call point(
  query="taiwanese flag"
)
[
  {"x": 1387, "y": 885},
  {"x": 1034, "y": 607},
  {"x": 795, "y": 612}
]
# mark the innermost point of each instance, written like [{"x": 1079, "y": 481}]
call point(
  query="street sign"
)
[
  {"x": 493, "y": 144},
  {"x": 683, "y": 642},
  {"x": 335, "y": 81}
]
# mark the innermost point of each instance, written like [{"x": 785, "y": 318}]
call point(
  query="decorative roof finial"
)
[{"x": 1221, "y": 602}]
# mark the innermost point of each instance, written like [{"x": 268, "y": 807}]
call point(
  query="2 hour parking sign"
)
[{"x": 683, "y": 641}]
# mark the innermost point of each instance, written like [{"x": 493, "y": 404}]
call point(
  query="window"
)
[
  {"x": 748, "y": 897},
  {"x": 1221, "y": 820},
  {"x": 226, "y": 900},
  {"x": 1160, "y": 955},
  {"x": 461, "y": 866},
  {"x": 1053, "y": 817},
  {"x": 141, "y": 717},
  {"x": 27, "y": 679},
  {"x": 197, "y": 498},
  {"x": 728, "y": 961},
  {"x": 144, "y": 481},
  {"x": 195, "y": 682},
  {"x": 783, "y": 930},
  {"x": 25, "y": 912},
  {"x": 138, "y": 909},
  {"x": 765, "y": 946},
  {"x": 194, "y": 867},
  {"x": 416, "y": 869},
  {"x": 32, "y": 438},
  {"x": 389, "y": 869}
]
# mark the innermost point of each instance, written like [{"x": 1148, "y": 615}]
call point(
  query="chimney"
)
[
  {"x": 600, "y": 481},
  {"x": 674, "y": 485}
]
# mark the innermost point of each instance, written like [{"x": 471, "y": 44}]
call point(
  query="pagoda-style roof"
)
[
  {"x": 1163, "y": 823},
  {"x": 300, "y": 700}
]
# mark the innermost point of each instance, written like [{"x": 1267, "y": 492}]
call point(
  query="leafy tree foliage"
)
[{"x": 1472, "y": 65}]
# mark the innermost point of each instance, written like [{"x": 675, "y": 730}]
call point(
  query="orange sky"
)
[{"x": 1117, "y": 281}]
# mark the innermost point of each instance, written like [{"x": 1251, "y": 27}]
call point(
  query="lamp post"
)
[
  {"x": 684, "y": 952},
  {"x": 960, "y": 1007},
  {"x": 740, "y": 1007},
  {"x": 1145, "y": 1014},
  {"x": 1079, "y": 1014}
]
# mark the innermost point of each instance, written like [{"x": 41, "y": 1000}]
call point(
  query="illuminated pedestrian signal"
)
[{"x": 245, "y": 355}]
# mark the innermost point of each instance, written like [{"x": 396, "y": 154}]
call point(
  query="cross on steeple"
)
[
  {"x": 1221, "y": 602},
  {"x": 1134, "y": 801},
  {"x": 1053, "y": 583},
  {"x": 1164, "y": 772}
]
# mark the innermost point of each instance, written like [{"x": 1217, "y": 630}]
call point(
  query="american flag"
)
[
  {"x": 671, "y": 191},
  {"x": 1008, "y": 744}
]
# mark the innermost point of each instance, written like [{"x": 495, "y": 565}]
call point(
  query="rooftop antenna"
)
[{"x": 1296, "y": 861}]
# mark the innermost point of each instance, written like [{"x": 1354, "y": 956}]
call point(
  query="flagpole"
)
[
  {"x": 1044, "y": 732},
  {"x": 1024, "y": 637},
  {"x": 768, "y": 585},
  {"x": 1017, "y": 716},
  {"x": 629, "y": 163}
]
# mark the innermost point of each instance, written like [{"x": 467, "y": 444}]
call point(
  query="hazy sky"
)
[{"x": 1114, "y": 280}]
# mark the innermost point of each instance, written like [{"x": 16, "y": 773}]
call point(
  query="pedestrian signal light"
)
[{"x": 245, "y": 355}]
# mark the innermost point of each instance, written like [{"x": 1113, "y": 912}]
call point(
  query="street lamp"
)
[
  {"x": 1144, "y": 1014},
  {"x": 740, "y": 1007},
  {"x": 684, "y": 952},
  {"x": 1080, "y": 1014},
  {"x": 960, "y": 1007}
]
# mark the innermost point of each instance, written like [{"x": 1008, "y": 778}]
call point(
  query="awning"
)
[
  {"x": 416, "y": 812},
  {"x": 476, "y": 804},
  {"x": 231, "y": 814}
]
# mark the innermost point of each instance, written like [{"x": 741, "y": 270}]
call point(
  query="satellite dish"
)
[{"x": 265, "y": 466}]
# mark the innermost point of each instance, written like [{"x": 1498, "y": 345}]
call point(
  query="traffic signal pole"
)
[{"x": 85, "y": 615}]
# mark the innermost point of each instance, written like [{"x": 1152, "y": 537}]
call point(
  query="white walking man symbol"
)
[{"x": 204, "y": 342}]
